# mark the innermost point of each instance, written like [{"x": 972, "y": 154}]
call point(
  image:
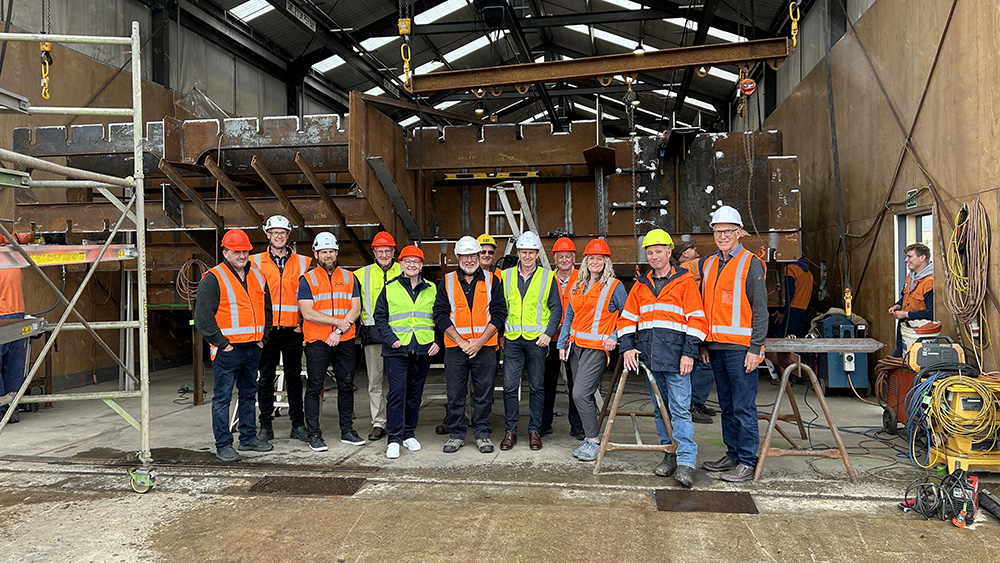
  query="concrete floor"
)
[{"x": 62, "y": 497}]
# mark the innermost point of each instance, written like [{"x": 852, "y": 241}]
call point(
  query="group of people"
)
[{"x": 687, "y": 318}]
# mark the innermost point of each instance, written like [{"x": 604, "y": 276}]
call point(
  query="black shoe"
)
[
  {"x": 256, "y": 445},
  {"x": 703, "y": 409},
  {"x": 299, "y": 433},
  {"x": 228, "y": 454},
  {"x": 441, "y": 430},
  {"x": 545, "y": 431},
  {"x": 684, "y": 474},
  {"x": 721, "y": 464},
  {"x": 666, "y": 467},
  {"x": 699, "y": 417},
  {"x": 351, "y": 437},
  {"x": 265, "y": 434},
  {"x": 377, "y": 433},
  {"x": 317, "y": 444},
  {"x": 577, "y": 432}
]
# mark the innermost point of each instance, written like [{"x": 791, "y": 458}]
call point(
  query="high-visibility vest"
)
[
  {"x": 409, "y": 318},
  {"x": 331, "y": 296},
  {"x": 677, "y": 307},
  {"x": 372, "y": 279},
  {"x": 240, "y": 316},
  {"x": 804, "y": 286},
  {"x": 592, "y": 323},
  {"x": 527, "y": 317},
  {"x": 11, "y": 291},
  {"x": 470, "y": 323},
  {"x": 913, "y": 300},
  {"x": 283, "y": 284},
  {"x": 730, "y": 315},
  {"x": 564, "y": 294}
]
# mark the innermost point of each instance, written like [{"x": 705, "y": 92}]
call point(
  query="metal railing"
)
[{"x": 132, "y": 211}]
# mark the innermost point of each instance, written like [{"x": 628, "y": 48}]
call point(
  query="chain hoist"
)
[
  {"x": 45, "y": 47},
  {"x": 794, "y": 14},
  {"x": 405, "y": 25}
]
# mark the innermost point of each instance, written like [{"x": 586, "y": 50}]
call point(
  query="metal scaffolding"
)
[{"x": 141, "y": 478}]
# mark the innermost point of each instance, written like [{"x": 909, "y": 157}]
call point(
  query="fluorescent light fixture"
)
[
  {"x": 480, "y": 108},
  {"x": 439, "y": 11},
  {"x": 409, "y": 121},
  {"x": 252, "y": 9},
  {"x": 328, "y": 64}
]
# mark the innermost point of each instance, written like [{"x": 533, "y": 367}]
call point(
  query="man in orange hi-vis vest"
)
[
  {"x": 281, "y": 268},
  {"x": 564, "y": 252},
  {"x": 12, "y": 353},
  {"x": 735, "y": 295},
  {"x": 330, "y": 302},
  {"x": 233, "y": 313},
  {"x": 916, "y": 300}
]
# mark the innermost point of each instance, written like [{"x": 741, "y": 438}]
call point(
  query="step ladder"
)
[{"x": 496, "y": 195}]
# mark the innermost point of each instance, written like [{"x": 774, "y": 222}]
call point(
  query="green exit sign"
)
[{"x": 911, "y": 199}]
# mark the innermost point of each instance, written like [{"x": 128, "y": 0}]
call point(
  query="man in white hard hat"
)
[
  {"x": 735, "y": 297},
  {"x": 469, "y": 310},
  {"x": 281, "y": 268},
  {"x": 330, "y": 301},
  {"x": 373, "y": 278},
  {"x": 534, "y": 312}
]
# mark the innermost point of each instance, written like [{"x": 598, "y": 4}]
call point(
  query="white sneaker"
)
[
  {"x": 412, "y": 444},
  {"x": 392, "y": 452}
]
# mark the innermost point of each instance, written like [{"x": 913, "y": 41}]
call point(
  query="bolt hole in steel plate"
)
[
  {"x": 670, "y": 500},
  {"x": 312, "y": 486}
]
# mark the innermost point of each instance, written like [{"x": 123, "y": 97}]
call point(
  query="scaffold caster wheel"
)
[
  {"x": 141, "y": 481},
  {"x": 889, "y": 420}
]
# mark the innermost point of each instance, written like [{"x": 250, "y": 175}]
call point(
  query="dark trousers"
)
[
  {"x": 737, "y": 392},
  {"x": 458, "y": 367},
  {"x": 236, "y": 367},
  {"x": 702, "y": 380},
  {"x": 520, "y": 355},
  {"x": 11, "y": 363},
  {"x": 286, "y": 344},
  {"x": 406, "y": 375},
  {"x": 796, "y": 323},
  {"x": 320, "y": 356},
  {"x": 551, "y": 383}
]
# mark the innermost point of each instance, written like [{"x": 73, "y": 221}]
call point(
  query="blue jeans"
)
[
  {"x": 11, "y": 363},
  {"x": 406, "y": 377},
  {"x": 702, "y": 380},
  {"x": 520, "y": 355},
  {"x": 678, "y": 390},
  {"x": 236, "y": 367},
  {"x": 737, "y": 391}
]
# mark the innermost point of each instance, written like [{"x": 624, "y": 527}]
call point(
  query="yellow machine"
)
[{"x": 965, "y": 418}]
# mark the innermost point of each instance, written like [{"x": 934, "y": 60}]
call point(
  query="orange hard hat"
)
[
  {"x": 383, "y": 238},
  {"x": 235, "y": 239},
  {"x": 564, "y": 244},
  {"x": 597, "y": 246},
  {"x": 411, "y": 252}
]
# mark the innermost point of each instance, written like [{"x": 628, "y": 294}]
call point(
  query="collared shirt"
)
[
  {"x": 756, "y": 292},
  {"x": 498, "y": 304},
  {"x": 279, "y": 261},
  {"x": 554, "y": 302}
]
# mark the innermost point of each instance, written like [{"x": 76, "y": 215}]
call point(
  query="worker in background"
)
[
  {"x": 469, "y": 310},
  {"x": 330, "y": 301},
  {"x": 404, "y": 320},
  {"x": 792, "y": 320},
  {"x": 685, "y": 253},
  {"x": 236, "y": 323},
  {"x": 735, "y": 296},
  {"x": 488, "y": 254},
  {"x": 534, "y": 312},
  {"x": 662, "y": 326},
  {"x": 12, "y": 354},
  {"x": 916, "y": 300},
  {"x": 281, "y": 269},
  {"x": 564, "y": 252},
  {"x": 588, "y": 335},
  {"x": 373, "y": 278}
]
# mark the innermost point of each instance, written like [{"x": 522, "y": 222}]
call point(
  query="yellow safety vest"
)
[
  {"x": 527, "y": 318},
  {"x": 408, "y": 317},
  {"x": 372, "y": 279}
]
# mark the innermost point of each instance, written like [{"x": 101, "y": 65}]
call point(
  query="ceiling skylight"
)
[
  {"x": 439, "y": 11},
  {"x": 251, "y": 9}
]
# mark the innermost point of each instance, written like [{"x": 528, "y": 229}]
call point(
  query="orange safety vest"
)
[
  {"x": 730, "y": 316},
  {"x": 564, "y": 294},
  {"x": 11, "y": 291},
  {"x": 914, "y": 299},
  {"x": 283, "y": 286},
  {"x": 240, "y": 316},
  {"x": 678, "y": 307},
  {"x": 470, "y": 323},
  {"x": 803, "y": 286},
  {"x": 332, "y": 295},
  {"x": 592, "y": 323}
]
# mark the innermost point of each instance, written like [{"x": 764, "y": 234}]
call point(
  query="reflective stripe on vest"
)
[
  {"x": 595, "y": 337},
  {"x": 329, "y": 302},
  {"x": 469, "y": 323},
  {"x": 283, "y": 285},
  {"x": 408, "y": 317},
  {"x": 371, "y": 287},
  {"x": 732, "y": 329},
  {"x": 234, "y": 300},
  {"x": 537, "y": 292}
]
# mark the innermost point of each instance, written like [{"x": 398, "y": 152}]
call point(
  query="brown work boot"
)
[
  {"x": 509, "y": 439},
  {"x": 534, "y": 440}
]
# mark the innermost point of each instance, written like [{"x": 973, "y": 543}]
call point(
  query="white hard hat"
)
[
  {"x": 529, "y": 240},
  {"x": 277, "y": 222},
  {"x": 466, "y": 246},
  {"x": 324, "y": 241},
  {"x": 726, "y": 214}
]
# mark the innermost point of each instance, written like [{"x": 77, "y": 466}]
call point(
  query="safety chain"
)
[
  {"x": 794, "y": 14},
  {"x": 46, "y": 47},
  {"x": 629, "y": 98}
]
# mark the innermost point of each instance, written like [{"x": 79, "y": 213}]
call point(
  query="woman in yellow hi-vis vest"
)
[{"x": 404, "y": 318}]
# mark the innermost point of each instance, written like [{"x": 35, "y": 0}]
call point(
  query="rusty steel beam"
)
[
  {"x": 591, "y": 67},
  {"x": 280, "y": 194},
  {"x": 182, "y": 185},
  {"x": 310, "y": 176},
  {"x": 233, "y": 190}
]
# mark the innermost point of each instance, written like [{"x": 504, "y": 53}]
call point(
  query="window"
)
[{"x": 917, "y": 226}]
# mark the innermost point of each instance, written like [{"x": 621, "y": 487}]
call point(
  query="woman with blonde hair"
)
[{"x": 595, "y": 302}]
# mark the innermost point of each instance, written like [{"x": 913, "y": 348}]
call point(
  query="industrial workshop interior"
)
[{"x": 499, "y": 280}]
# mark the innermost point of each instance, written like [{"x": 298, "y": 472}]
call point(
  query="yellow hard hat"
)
[
  {"x": 486, "y": 239},
  {"x": 657, "y": 236}
]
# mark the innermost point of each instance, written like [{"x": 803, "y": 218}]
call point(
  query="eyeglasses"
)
[
  {"x": 409, "y": 262},
  {"x": 724, "y": 232},
  {"x": 488, "y": 252},
  {"x": 276, "y": 233},
  {"x": 383, "y": 251}
]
